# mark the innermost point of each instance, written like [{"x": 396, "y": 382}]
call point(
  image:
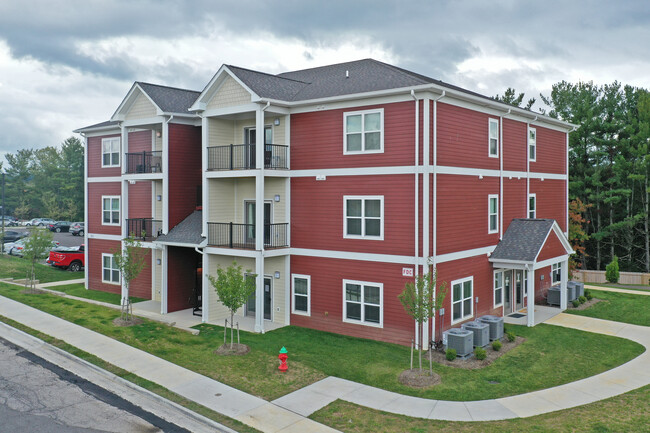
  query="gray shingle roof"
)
[
  {"x": 523, "y": 240},
  {"x": 100, "y": 125},
  {"x": 170, "y": 99},
  {"x": 187, "y": 231}
]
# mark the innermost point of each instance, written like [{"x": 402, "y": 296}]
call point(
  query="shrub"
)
[
  {"x": 588, "y": 295},
  {"x": 480, "y": 353},
  {"x": 575, "y": 303},
  {"x": 611, "y": 271},
  {"x": 496, "y": 345},
  {"x": 582, "y": 299},
  {"x": 511, "y": 336},
  {"x": 450, "y": 354}
]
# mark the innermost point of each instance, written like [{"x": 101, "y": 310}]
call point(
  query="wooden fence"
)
[{"x": 633, "y": 278}]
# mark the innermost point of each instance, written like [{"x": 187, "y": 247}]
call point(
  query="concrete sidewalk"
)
[
  {"x": 617, "y": 290},
  {"x": 221, "y": 398}
]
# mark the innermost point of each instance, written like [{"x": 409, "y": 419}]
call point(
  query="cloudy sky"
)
[{"x": 66, "y": 64}]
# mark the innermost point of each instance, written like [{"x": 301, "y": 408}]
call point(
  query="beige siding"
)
[
  {"x": 157, "y": 277},
  {"x": 229, "y": 94},
  {"x": 227, "y": 197},
  {"x": 158, "y": 143},
  {"x": 273, "y": 187},
  {"x": 278, "y": 285},
  {"x": 157, "y": 191},
  {"x": 141, "y": 108},
  {"x": 217, "y": 310},
  {"x": 279, "y": 136},
  {"x": 220, "y": 200},
  {"x": 221, "y": 132}
]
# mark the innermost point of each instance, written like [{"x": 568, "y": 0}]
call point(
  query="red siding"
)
[
  {"x": 463, "y": 212},
  {"x": 327, "y": 277},
  {"x": 95, "y": 158},
  {"x": 542, "y": 286},
  {"x": 140, "y": 200},
  {"x": 97, "y": 247},
  {"x": 95, "y": 193},
  {"x": 514, "y": 145},
  {"x": 551, "y": 199},
  {"x": 141, "y": 286},
  {"x": 552, "y": 248},
  {"x": 463, "y": 138},
  {"x": 551, "y": 151},
  {"x": 317, "y": 139},
  {"x": 139, "y": 141},
  {"x": 317, "y": 213},
  {"x": 184, "y": 171},
  {"x": 514, "y": 200},
  {"x": 181, "y": 274}
]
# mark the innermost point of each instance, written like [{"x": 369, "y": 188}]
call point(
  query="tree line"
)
[{"x": 46, "y": 182}]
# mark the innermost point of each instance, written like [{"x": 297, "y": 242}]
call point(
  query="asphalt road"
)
[
  {"x": 64, "y": 239},
  {"x": 38, "y": 396}
]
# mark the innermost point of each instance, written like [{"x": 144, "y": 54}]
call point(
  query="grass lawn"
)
[
  {"x": 621, "y": 286},
  {"x": 620, "y": 307},
  {"x": 624, "y": 413},
  {"x": 17, "y": 267},
  {"x": 544, "y": 360},
  {"x": 79, "y": 290}
]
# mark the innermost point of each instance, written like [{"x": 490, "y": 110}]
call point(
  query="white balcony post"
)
[
  {"x": 165, "y": 279},
  {"x": 205, "y": 124},
  {"x": 530, "y": 289},
  {"x": 563, "y": 282},
  {"x": 259, "y": 219},
  {"x": 207, "y": 291},
  {"x": 259, "y": 292},
  {"x": 125, "y": 148},
  {"x": 165, "y": 180}
]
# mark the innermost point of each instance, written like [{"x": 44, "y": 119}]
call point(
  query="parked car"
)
[
  {"x": 41, "y": 222},
  {"x": 71, "y": 258},
  {"x": 77, "y": 229},
  {"x": 10, "y": 221},
  {"x": 61, "y": 226},
  {"x": 19, "y": 246},
  {"x": 13, "y": 236}
]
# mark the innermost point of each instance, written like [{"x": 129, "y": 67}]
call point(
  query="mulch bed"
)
[
  {"x": 472, "y": 363},
  {"x": 237, "y": 349},
  {"x": 418, "y": 379},
  {"x": 134, "y": 321},
  {"x": 586, "y": 304}
]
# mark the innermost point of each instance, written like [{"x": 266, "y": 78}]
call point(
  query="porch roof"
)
[{"x": 187, "y": 232}]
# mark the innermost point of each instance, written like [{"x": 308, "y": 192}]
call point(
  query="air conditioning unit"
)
[
  {"x": 496, "y": 326},
  {"x": 461, "y": 340},
  {"x": 570, "y": 293},
  {"x": 481, "y": 332},
  {"x": 579, "y": 288},
  {"x": 553, "y": 296}
]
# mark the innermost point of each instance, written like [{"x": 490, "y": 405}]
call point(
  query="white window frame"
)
[
  {"x": 534, "y": 209},
  {"x": 119, "y": 217},
  {"x": 464, "y": 315},
  {"x": 363, "y": 199},
  {"x": 363, "y": 150},
  {"x": 111, "y": 141},
  {"x": 495, "y": 288},
  {"x": 532, "y": 143},
  {"x": 490, "y": 198},
  {"x": 556, "y": 267},
  {"x": 294, "y": 294},
  {"x": 490, "y": 138},
  {"x": 363, "y": 284},
  {"x": 117, "y": 283}
]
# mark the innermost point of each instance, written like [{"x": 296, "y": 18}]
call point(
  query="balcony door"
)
[
  {"x": 249, "y": 215},
  {"x": 250, "y": 303},
  {"x": 507, "y": 292},
  {"x": 250, "y": 137},
  {"x": 519, "y": 290}
]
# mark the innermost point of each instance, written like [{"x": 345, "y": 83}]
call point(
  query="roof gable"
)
[
  {"x": 149, "y": 100},
  {"x": 217, "y": 81},
  {"x": 186, "y": 232},
  {"x": 525, "y": 238}
]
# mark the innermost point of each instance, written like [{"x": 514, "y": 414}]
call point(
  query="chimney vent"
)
[{"x": 347, "y": 74}]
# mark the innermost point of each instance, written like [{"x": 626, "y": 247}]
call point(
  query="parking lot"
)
[{"x": 64, "y": 239}]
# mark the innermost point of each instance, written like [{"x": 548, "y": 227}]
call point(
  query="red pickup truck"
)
[{"x": 67, "y": 258}]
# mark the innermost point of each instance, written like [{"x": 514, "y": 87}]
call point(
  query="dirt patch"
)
[
  {"x": 32, "y": 292},
  {"x": 418, "y": 379},
  {"x": 472, "y": 363},
  {"x": 134, "y": 321},
  {"x": 586, "y": 304},
  {"x": 237, "y": 349}
]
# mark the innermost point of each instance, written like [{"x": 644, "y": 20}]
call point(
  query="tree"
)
[
  {"x": 510, "y": 98},
  {"x": 233, "y": 289},
  {"x": 130, "y": 260},
  {"x": 577, "y": 233},
  {"x": 611, "y": 271},
  {"x": 37, "y": 247},
  {"x": 421, "y": 300}
]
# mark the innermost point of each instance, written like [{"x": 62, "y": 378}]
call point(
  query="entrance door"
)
[
  {"x": 250, "y": 303},
  {"x": 507, "y": 292},
  {"x": 250, "y": 137},
  {"x": 249, "y": 211},
  {"x": 519, "y": 289}
]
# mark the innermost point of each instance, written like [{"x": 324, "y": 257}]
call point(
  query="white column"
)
[
  {"x": 287, "y": 291},
  {"x": 426, "y": 199},
  {"x": 165, "y": 180},
  {"x": 165, "y": 278},
  {"x": 259, "y": 292},
  {"x": 205, "y": 124},
  {"x": 563, "y": 281},
  {"x": 530, "y": 292},
  {"x": 125, "y": 147},
  {"x": 259, "y": 219},
  {"x": 124, "y": 214},
  {"x": 86, "y": 210},
  {"x": 207, "y": 291}
]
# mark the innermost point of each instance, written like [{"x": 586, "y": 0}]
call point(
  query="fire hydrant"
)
[{"x": 283, "y": 360}]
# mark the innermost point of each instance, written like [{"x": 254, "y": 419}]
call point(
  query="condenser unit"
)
[
  {"x": 481, "y": 332},
  {"x": 578, "y": 288},
  {"x": 496, "y": 326},
  {"x": 553, "y": 296},
  {"x": 461, "y": 340}
]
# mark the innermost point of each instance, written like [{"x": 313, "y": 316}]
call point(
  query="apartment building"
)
[{"x": 366, "y": 173}]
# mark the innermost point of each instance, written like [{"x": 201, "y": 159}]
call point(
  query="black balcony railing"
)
[
  {"x": 146, "y": 229},
  {"x": 144, "y": 162},
  {"x": 233, "y": 235},
  {"x": 242, "y": 157}
]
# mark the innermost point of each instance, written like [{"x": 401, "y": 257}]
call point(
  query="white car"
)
[{"x": 18, "y": 246}]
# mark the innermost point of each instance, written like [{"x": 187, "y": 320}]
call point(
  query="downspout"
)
[
  {"x": 417, "y": 180},
  {"x": 501, "y": 198},
  {"x": 434, "y": 241}
]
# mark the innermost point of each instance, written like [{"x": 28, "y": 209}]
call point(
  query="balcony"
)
[
  {"x": 145, "y": 229},
  {"x": 233, "y": 235},
  {"x": 144, "y": 162},
  {"x": 242, "y": 157}
]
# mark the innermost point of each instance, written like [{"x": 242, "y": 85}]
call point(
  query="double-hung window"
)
[
  {"x": 111, "y": 152},
  {"x": 301, "y": 294},
  {"x": 493, "y": 140},
  {"x": 532, "y": 144},
  {"x": 110, "y": 271},
  {"x": 111, "y": 210},
  {"x": 532, "y": 205},
  {"x": 363, "y": 217},
  {"x": 493, "y": 213},
  {"x": 498, "y": 288},
  {"x": 362, "y": 303},
  {"x": 363, "y": 132},
  {"x": 556, "y": 273},
  {"x": 461, "y": 303}
]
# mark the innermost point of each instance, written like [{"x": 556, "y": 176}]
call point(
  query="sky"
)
[{"x": 66, "y": 64}]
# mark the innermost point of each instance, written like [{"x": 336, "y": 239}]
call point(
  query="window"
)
[
  {"x": 363, "y": 132},
  {"x": 301, "y": 294},
  {"x": 461, "y": 306},
  {"x": 493, "y": 141},
  {"x": 498, "y": 288},
  {"x": 363, "y": 217},
  {"x": 532, "y": 144},
  {"x": 111, "y": 152},
  {"x": 556, "y": 273},
  {"x": 111, "y": 211},
  {"x": 531, "y": 206},
  {"x": 493, "y": 213},
  {"x": 362, "y": 303},
  {"x": 110, "y": 272}
]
